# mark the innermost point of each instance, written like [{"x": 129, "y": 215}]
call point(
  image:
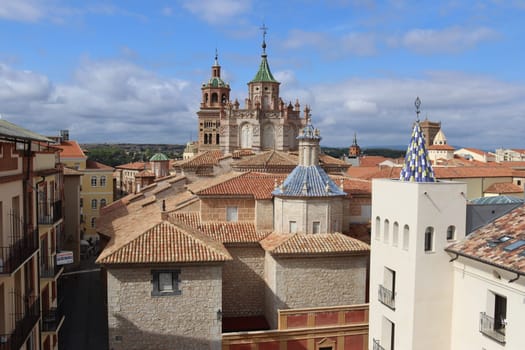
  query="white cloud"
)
[
  {"x": 217, "y": 11},
  {"x": 106, "y": 101},
  {"x": 448, "y": 40},
  {"x": 21, "y": 10}
]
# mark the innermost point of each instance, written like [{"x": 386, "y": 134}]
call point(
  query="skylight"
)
[{"x": 514, "y": 245}]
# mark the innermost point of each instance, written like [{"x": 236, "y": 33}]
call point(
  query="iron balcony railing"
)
[
  {"x": 49, "y": 267},
  {"x": 387, "y": 297},
  {"x": 492, "y": 329},
  {"x": 12, "y": 256},
  {"x": 52, "y": 319},
  {"x": 24, "y": 320},
  {"x": 376, "y": 345},
  {"x": 49, "y": 212}
]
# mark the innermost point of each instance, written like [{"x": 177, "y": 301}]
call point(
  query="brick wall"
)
[
  {"x": 315, "y": 282},
  {"x": 137, "y": 320},
  {"x": 243, "y": 284},
  {"x": 213, "y": 209}
]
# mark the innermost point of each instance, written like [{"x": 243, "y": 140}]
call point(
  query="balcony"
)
[
  {"x": 12, "y": 256},
  {"x": 25, "y": 321},
  {"x": 376, "y": 345},
  {"x": 49, "y": 268},
  {"x": 492, "y": 329},
  {"x": 387, "y": 297},
  {"x": 52, "y": 319},
  {"x": 49, "y": 212}
]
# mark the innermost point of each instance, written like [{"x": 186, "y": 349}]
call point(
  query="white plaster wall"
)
[{"x": 473, "y": 282}]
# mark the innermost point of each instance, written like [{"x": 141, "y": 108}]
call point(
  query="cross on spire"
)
[
  {"x": 417, "y": 103},
  {"x": 264, "y": 30}
]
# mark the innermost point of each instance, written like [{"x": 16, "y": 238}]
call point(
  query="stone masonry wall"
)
[
  {"x": 317, "y": 282},
  {"x": 138, "y": 320},
  {"x": 243, "y": 284},
  {"x": 213, "y": 209}
]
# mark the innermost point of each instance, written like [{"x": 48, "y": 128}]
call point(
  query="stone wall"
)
[
  {"x": 264, "y": 215},
  {"x": 315, "y": 282},
  {"x": 327, "y": 211},
  {"x": 243, "y": 284},
  {"x": 137, "y": 320},
  {"x": 213, "y": 209}
]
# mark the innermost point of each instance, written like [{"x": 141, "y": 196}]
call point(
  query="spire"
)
[
  {"x": 264, "y": 74},
  {"x": 417, "y": 167},
  {"x": 216, "y": 63},
  {"x": 355, "y": 139}
]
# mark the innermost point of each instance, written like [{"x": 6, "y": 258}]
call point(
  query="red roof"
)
[
  {"x": 504, "y": 188},
  {"x": 71, "y": 149},
  {"x": 134, "y": 166},
  {"x": 91, "y": 164}
]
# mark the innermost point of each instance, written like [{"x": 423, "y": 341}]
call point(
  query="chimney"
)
[{"x": 64, "y": 135}]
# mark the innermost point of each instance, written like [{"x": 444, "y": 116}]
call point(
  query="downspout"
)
[
  {"x": 455, "y": 258},
  {"x": 515, "y": 279}
]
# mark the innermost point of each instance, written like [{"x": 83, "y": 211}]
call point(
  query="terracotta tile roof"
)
[
  {"x": 205, "y": 159},
  {"x": 224, "y": 232},
  {"x": 166, "y": 243},
  {"x": 475, "y": 150},
  {"x": 242, "y": 153},
  {"x": 257, "y": 185},
  {"x": 485, "y": 244},
  {"x": 268, "y": 159},
  {"x": 440, "y": 148},
  {"x": 369, "y": 173},
  {"x": 92, "y": 165},
  {"x": 326, "y": 159},
  {"x": 354, "y": 186},
  {"x": 369, "y": 161},
  {"x": 71, "y": 149},
  {"x": 315, "y": 244},
  {"x": 134, "y": 166},
  {"x": 504, "y": 187}
]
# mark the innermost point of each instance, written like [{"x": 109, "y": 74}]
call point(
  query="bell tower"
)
[{"x": 215, "y": 95}]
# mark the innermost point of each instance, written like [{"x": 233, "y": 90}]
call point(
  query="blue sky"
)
[{"x": 131, "y": 71}]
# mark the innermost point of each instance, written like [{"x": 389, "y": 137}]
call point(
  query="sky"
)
[{"x": 131, "y": 71}]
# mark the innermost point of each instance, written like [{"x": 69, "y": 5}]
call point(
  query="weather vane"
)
[
  {"x": 417, "y": 103},
  {"x": 264, "y": 29}
]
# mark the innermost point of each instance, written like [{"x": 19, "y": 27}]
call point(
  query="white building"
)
[{"x": 430, "y": 286}]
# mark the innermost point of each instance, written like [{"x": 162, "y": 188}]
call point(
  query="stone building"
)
[
  {"x": 264, "y": 123},
  {"x": 238, "y": 247}
]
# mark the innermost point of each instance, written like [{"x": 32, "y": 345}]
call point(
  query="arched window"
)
[
  {"x": 223, "y": 98},
  {"x": 205, "y": 139},
  {"x": 386, "y": 230},
  {"x": 451, "y": 233},
  {"x": 206, "y": 98},
  {"x": 102, "y": 202},
  {"x": 406, "y": 237},
  {"x": 102, "y": 181},
  {"x": 93, "y": 222},
  {"x": 395, "y": 234},
  {"x": 217, "y": 139},
  {"x": 93, "y": 204},
  {"x": 378, "y": 228},
  {"x": 214, "y": 98}
]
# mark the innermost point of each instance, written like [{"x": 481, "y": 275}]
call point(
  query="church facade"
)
[{"x": 265, "y": 122}]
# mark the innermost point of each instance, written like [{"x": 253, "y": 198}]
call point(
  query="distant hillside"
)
[
  {"x": 122, "y": 153},
  {"x": 385, "y": 152}
]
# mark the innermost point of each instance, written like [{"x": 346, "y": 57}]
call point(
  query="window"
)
[
  {"x": 387, "y": 291},
  {"x": 93, "y": 181},
  {"x": 316, "y": 227},
  {"x": 386, "y": 230},
  {"x": 494, "y": 322},
  {"x": 395, "y": 234},
  {"x": 93, "y": 220},
  {"x": 406, "y": 237},
  {"x": 165, "y": 282},
  {"x": 93, "y": 204},
  {"x": 500, "y": 313},
  {"x": 102, "y": 181},
  {"x": 231, "y": 214},
  {"x": 387, "y": 334},
  {"x": 102, "y": 202},
  {"x": 378, "y": 229},
  {"x": 81, "y": 202},
  {"x": 429, "y": 239},
  {"x": 451, "y": 233},
  {"x": 293, "y": 226}
]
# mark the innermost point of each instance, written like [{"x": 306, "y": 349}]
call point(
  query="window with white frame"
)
[
  {"x": 93, "y": 204},
  {"x": 102, "y": 181},
  {"x": 103, "y": 202},
  {"x": 93, "y": 181},
  {"x": 165, "y": 282}
]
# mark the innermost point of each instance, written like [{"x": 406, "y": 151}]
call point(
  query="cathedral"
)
[{"x": 264, "y": 123}]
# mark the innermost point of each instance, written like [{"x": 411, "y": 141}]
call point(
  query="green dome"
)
[{"x": 158, "y": 157}]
